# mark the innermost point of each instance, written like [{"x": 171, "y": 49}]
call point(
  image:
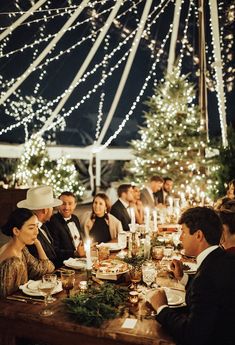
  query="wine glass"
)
[
  {"x": 50, "y": 278},
  {"x": 46, "y": 287},
  {"x": 68, "y": 279},
  {"x": 135, "y": 276},
  {"x": 149, "y": 273}
]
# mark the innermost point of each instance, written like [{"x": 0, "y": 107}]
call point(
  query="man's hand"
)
[
  {"x": 158, "y": 299},
  {"x": 81, "y": 250},
  {"x": 177, "y": 269}
]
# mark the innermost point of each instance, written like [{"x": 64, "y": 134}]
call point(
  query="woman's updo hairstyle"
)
[{"x": 16, "y": 219}]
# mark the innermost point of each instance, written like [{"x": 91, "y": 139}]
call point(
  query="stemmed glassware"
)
[
  {"x": 68, "y": 279},
  {"x": 52, "y": 278},
  {"x": 135, "y": 276},
  {"x": 149, "y": 273},
  {"x": 46, "y": 286}
]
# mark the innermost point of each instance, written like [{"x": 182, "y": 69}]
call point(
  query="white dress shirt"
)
[{"x": 74, "y": 232}]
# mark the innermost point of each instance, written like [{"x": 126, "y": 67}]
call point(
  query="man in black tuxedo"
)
[
  {"x": 65, "y": 228},
  {"x": 40, "y": 200},
  {"x": 166, "y": 191},
  {"x": 210, "y": 298},
  {"x": 121, "y": 208}
]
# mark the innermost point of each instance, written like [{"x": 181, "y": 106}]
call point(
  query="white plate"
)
[
  {"x": 192, "y": 269},
  {"x": 76, "y": 264},
  {"x": 113, "y": 247},
  {"x": 174, "y": 297},
  {"x": 31, "y": 288}
]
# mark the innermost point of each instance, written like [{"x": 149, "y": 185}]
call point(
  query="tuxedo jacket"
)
[
  {"x": 159, "y": 197},
  {"x": 49, "y": 247},
  {"x": 146, "y": 198},
  {"x": 210, "y": 299},
  {"x": 61, "y": 235},
  {"x": 119, "y": 211}
]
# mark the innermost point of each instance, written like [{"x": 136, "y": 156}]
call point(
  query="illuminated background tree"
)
[
  {"x": 36, "y": 168},
  {"x": 172, "y": 142}
]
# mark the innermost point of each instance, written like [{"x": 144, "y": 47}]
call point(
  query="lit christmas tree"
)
[
  {"x": 172, "y": 141},
  {"x": 36, "y": 168}
]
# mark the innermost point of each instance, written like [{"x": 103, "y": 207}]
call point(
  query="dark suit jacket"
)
[
  {"x": 119, "y": 211},
  {"x": 210, "y": 299},
  {"x": 48, "y": 247},
  {"x": 61, "y": 235}
]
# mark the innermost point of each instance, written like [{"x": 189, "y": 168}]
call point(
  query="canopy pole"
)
[
  {"x": 174, "y": 35},
  {"x": 218, "y": 71},
  {"x": 44, "y": 53},
  {"x": 83, "y": 67},
  {"x": 125, "y": 74},
  {"x": 21, "y": 19}
]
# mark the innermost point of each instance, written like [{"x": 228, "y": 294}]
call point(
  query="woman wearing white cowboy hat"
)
[{"x": 41, "y": 201}]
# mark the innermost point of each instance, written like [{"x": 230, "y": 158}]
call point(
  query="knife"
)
[{"x": 25, "y": 299}]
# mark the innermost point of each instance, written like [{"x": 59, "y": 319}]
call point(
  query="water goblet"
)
[
  {"x": 68, "y": 279},
  {"x": 46, "y": 287},
  {"x": 50, "y": 278},
  {"x": 149, "y": 273}
]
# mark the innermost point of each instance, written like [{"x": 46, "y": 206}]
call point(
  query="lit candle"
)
[
  {"x": 132, "y": 213},
  {"x": 87, "y": 246},
  {"x": 170, "y": 201},
  {"x": 154, "y": 220},
  {"x": 147, "y": 218}
]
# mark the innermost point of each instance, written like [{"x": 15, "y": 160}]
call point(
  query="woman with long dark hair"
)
[{"x": 17, "y": 265}]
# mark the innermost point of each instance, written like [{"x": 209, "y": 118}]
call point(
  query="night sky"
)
[{"x": 81, "y": 124}]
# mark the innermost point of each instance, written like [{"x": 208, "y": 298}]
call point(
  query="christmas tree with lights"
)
[
  {"x": 35, "y": 168},
  {"x": 172, "y": 142}
]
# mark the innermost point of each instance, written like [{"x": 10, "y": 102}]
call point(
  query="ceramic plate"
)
[
  {"x": 31, "y": 288},
  {"x": 190, "y": 268},
  {"x": 113, "y": 247},
  {"x": 76, "y": 264}
]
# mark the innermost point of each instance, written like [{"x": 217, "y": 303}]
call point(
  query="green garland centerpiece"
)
[
  {"x": 97, "y": 304},
  {"x": 135, "y": 261}
]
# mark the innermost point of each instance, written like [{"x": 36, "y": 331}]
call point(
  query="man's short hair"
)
[
  {"x": 204, "y": 219},
  {"x": 123, "y": 188},
  {"x": 156, "y": 178},
  {"x": 67, "y": 193},
  {"x": 227, "y": 215},
  {"x": 167, "y": 179}
]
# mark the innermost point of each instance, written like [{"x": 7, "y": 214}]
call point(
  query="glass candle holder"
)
[{"x": 133, "y": 297}]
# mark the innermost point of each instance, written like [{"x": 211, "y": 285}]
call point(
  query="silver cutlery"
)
[{"x": 25, "y": 299}]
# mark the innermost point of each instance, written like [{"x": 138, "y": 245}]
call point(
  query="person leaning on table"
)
[
  {"x": 17, "y": 265},
  {"x": 209, "y": 315}
]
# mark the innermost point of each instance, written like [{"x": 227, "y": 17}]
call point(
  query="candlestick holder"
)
[{"x": 89, "y": 276}]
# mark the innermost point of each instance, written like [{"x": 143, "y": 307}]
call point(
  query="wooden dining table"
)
[{"x": 20, "y": 319}]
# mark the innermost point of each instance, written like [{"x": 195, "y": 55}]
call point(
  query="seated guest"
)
[
  {"x": 65, "y": 228},
  {"x": 138, "y": 206},
  {"x": 229, "y": 195},
  {"x": 40, "y": 199},
  {"x": 208, "y": 318},
  {"x": 147, "y": 194},
  {"x": 99, "y": 224},
  {"x": 227, "y": 216},
  {"x": 121, "y": 208},
  {"x": 17, "y": 265},
  {"x": 166, "y": 191}
]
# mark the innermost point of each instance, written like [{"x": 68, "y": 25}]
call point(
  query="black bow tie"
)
[{"x": 69, "y": 221}]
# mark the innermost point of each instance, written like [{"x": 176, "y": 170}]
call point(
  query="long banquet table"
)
[{"x": 22, "y": 320}]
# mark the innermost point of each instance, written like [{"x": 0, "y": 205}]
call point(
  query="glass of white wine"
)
[
  {"x": 52, "y": 278},
  {"x": 46, "y": 286}
]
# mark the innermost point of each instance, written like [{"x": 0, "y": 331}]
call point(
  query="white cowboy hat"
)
[{"x": 38, "y": 198}]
